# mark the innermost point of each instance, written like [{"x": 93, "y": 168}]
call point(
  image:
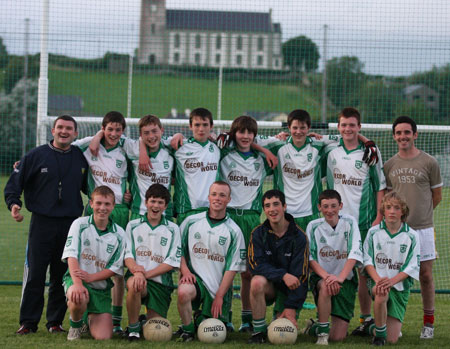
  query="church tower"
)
[{"x": 152, "y": 32}]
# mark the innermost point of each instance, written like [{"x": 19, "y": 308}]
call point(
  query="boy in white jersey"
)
[
  {"x": 392, "y": 261},
  {"x": 361, "y": 188},
  {"x": 245, "y": 171},
  {"x": 335, "y": 248},
  {"x": 213, "y": 251},
  {"x": 153, "y": 250},
  {"x": 94, "y": 252},
  {"x": 108, "y": 166}
]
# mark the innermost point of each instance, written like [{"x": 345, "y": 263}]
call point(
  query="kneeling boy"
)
[
  {"x": 392, "y": 260},
  {"x": 94, "y": 252},
  {"x": 335, "y": 248},
  {"x": 153, "y": 250}
]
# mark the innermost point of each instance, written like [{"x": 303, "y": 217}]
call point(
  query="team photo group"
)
[{"x": 369, "y": 234}]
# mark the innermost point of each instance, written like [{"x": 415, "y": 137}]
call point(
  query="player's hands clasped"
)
[{"x": 291, "y": 281}]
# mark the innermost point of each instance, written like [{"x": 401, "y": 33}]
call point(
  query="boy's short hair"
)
[
  {"x": 65, "y": 117},
  {"x": 221, "y": 183},
  {"x": 103, "y": 190},
  {"x": 404, "y": 120},
  {"x": 394, "y": 196},
  {"x": 158, "y": 191},
  {"x": 243, "y": 123},
  {"x": 349, "y": 113},
  {"x": 201, "y": 113},
  {"x": 328, "y": 194},
  {"x": 149, "y": 120},
  {"x": 300, "y": 115},
  {"x": 114, "y": 116},
  {"x": 274, "y": 193}
]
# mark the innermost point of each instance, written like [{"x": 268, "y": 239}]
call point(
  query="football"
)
[
  {"x": 282, "y": 331},
  {"x": 212, "y": 331},
  {"x": 157, "y": 329}
]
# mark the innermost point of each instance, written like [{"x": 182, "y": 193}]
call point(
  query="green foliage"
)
[
  {"x": 4, "y": 58},
  {"x": 345, "y": 77},
  {"x": 301, "y": 53},
  {"x": 15, "y": 69},
  {"x": 417, "y": 110}
]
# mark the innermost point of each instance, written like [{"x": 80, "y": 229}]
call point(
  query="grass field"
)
[
  {"x": 10, "y": 300},
  {"x": 155, "y": 94}
]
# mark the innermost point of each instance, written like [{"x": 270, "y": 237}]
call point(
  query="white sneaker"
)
[
  {"x": 74, "y": 334},
  {"x": 322, "y": 339},
  {"x": 427, "y": 332},
  {"x": 309, "y": 324}
]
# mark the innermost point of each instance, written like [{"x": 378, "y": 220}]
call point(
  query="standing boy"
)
[
  {"x": 335, "y": 248},
  {"x": 153, "y": 250},
  {"x": 415, "y": 175},
  {"x": 361, "y": 188},
  {"x": 392, "y": 261},
  {"x": 213, "y": 251},
  {"x": 94, "y": 253}
]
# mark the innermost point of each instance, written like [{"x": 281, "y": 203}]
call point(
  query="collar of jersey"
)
[
  {"x": 360, "y": 146},
  {"x": 203, "y": 144},
  {"x": 102, "y": 142},
  {"x": 307, "y": 141},
  {"x": 403, "y": 228},
  {"x": 163, "y": 221},
  {"x": 245, "y": 157},
  {"x": 211, "y": 224},
  {"x": 50, "y": 144},
  {"x": 154, "y": 154},
  {"x": 109, "y": 228}
]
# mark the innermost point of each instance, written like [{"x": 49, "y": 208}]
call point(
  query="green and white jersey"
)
[
  {"x": 391, "y": 254},
  {"x": 95, "y": 250},
  {"x": 197, "y": 167},
  {"x": 298, "y": 174},
  {"x": 108, "y": 168},
  {"x": 151, "y": 246},
  {"x": 331, "y": 248},
  {"x": 245, "y": 174},
  {"x": 356, "y": 182},
  {"x": 211, "y": 249},
  {"x": 140, "y": 181}
]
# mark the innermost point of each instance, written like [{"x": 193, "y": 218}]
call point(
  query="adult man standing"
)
[
  {"x": 51, "y": 177},
  {"x": 415, "y": 175}
]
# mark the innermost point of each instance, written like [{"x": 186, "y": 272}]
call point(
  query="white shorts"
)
[{"x": 427, "y": 244}]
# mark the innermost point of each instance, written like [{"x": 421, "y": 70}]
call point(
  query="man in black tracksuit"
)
[
  {"x": 278, "y": 258},
  {"x": 51, "y": 177}
]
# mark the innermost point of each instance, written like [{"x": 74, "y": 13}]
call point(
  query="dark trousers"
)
[{"x": 46, "y": 240}]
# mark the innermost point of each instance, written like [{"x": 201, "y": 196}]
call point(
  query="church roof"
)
[{"x": 221, "y": 20}]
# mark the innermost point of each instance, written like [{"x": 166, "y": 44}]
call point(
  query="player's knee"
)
[
  {"x": 185, "y": 293},
  {"x": 258, "y": 284}
]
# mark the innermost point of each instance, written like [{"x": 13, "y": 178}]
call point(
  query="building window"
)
[
  {"x": 153, "y": 28},
  {"x": 259, "y": 60},
  {"x": 218, "y": 42},
  {"x": 217, "y": 58},
  {"x": 152, "y": 59},
  {"x": 153, "y": 8},
  {"x": 238, "y": 59},
  {"x": 276, "y": 63},
  {"x": 198, "y": 41},
  {"x": 177, "y": 40},
  {"x": 197, "y": 58},
  {"x": 176, "y": 57},
  {"x": 260, "y": 43},
  {"x": 239, "y": 43}
]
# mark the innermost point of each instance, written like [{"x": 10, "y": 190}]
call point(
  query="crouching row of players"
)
[{"x": 210, "y": 250}]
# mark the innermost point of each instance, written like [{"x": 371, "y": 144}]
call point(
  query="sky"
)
[{"x": 391, "y": 37}]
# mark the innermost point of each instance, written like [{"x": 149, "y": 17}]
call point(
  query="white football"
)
[
  {"x": 282, "y": 331},
  {"x": 212, "y": 331},
  {"x": 157, "y": 329}
]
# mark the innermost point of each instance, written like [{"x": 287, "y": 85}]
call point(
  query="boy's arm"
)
[
  {"x": 186, "y": 276},
  {"x": 78, "y": 291},
  {"x": 348, "y": 266},
  {"x": 159, "y": 270},
  {"x": 98, "y": 276},
  {"x": 379, "y": 217},
  {"x": 133, "y": 267},
  {"x": 227, "y": 282},
  {"x": 94, "y": 145},
  {"x": 144, "y": 159},
  {"x": 436, "y": 195},
  {"x": 271, "y": 159}
]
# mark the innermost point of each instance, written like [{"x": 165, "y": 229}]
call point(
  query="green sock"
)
[
  {"x": 116, "y": 315},
  {"x": 76, "y": 324},
  {"x": 189, "y": 328},
  {"x": 259, "y": 325},
  {"x": 323, "y": 327},
  {"x": 314, "y": 329},
  {"x": 246, "y": 316},
  {"x": 136, "y": 327},
  {"x": 380, "y": 332}
]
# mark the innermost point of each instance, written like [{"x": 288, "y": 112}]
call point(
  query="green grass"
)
[
  {"x": 153, "y": 94},
  {"x": 10, "y": 300}
]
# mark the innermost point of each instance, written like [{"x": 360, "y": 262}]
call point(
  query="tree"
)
[
  {"x": 3, "y": 55},
  {"x": 14, "y": 71},
  {"x": 301, "y": 53},
  {"x": 417, "y": 111},
  {"x": 344, "y": 78}
]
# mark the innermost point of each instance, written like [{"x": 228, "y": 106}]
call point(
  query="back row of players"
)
[{"x": 208, "y": 256}]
